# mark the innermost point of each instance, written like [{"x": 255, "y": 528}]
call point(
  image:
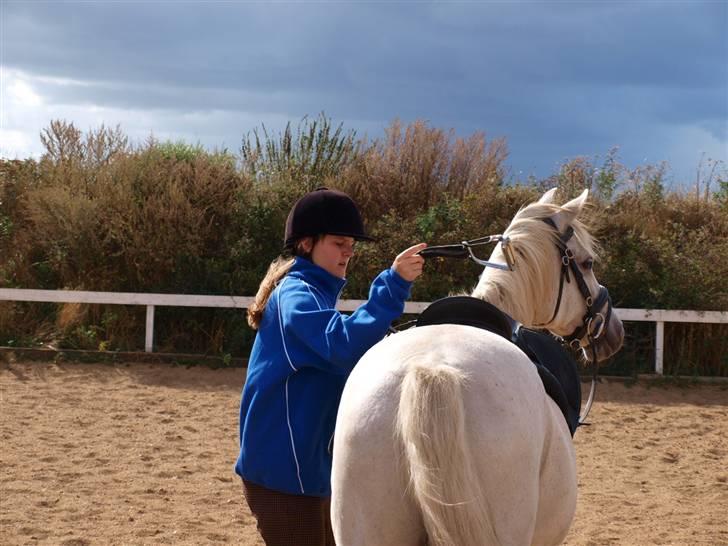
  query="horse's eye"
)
[{"x": 587, "y": 264}]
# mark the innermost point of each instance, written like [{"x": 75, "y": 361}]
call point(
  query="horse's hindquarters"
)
[
  {"x": 370, "y": 505},
  {"x": 558, "y": 484},
  {"x": 507, "y": 427}
]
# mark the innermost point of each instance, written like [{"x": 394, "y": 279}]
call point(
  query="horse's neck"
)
[{"x": 506, "y": 296}]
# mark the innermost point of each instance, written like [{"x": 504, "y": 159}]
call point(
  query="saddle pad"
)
[
  {"x": 468, "y": 311},
  {"x": 555, "y": 366}
]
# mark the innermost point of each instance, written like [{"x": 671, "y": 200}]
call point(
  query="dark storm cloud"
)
[{"x": 557, "y": 79}]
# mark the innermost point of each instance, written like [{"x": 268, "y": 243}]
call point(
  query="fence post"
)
[
  {"x": 659, "y": 346},
  {"x": 149, "y": 338}
]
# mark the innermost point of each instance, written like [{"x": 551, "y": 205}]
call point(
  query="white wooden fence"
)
[{"x": 659, "y": 316}]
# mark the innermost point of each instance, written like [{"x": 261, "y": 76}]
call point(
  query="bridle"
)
[{"x": 593, "y": 323}]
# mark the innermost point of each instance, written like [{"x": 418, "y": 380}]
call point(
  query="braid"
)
[{"x": 276, "y": 271}]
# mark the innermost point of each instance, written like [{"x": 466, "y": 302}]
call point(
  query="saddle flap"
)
[{"x": 557, "y": 370}]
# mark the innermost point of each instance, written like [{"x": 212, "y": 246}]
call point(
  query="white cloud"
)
[
  {"x": 14, "y": 143},
  {"x": 20, "y": 92},
  {"x": 28, "y": 107}
]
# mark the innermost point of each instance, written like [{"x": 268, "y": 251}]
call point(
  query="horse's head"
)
[{"x": 552, "y": 284}]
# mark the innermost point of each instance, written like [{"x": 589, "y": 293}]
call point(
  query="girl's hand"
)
[{"x": 408, "y": 264}]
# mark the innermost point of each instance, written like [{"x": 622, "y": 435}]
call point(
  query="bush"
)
[{"x": 97, "y": 213}]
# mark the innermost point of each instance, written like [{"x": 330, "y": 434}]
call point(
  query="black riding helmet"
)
[{"x": 324, "y": 211}]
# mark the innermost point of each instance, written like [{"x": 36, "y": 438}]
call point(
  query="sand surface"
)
[{"x": 143, "y": 454}]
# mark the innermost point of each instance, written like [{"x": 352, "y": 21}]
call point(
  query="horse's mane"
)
[{"x": 535, "y": 261}]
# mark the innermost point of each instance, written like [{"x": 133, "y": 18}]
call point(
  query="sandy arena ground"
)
[{"x": 143, "y": 454}]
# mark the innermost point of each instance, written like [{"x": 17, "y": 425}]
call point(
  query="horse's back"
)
[{"x": 508, "y": 423}]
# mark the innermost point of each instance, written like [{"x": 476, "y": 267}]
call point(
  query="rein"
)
[
  {"x": 465, "y": 250},
  {"x": 593, "y": 322}
]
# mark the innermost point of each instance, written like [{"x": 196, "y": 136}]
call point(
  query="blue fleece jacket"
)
[{"x": 301, "y": 357}]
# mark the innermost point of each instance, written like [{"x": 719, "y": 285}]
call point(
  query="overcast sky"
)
[{"x": 557, "y": 79}]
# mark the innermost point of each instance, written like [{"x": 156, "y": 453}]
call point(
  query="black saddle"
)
[{"x": 555, "y": 366}]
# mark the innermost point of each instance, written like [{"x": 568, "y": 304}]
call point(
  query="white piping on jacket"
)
[
  {"x": 288, "y": 411},
  {"x": 280, "y": 325},
  {"x": 314, "y": 295},
  {"x": 293, "y": 444},
  {"x": 290, "y": 363}
]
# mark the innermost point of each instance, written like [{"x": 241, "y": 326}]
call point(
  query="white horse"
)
[{"x": 445, "y": 435}]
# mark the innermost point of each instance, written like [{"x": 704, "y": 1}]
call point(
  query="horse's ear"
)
[
  {"x": 548, "y": 197},
  {"x": 577, "y": 203},
  {"x": 571, "y": 210}
]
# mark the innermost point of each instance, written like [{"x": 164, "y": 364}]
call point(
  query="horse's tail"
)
[{"x": 443, "y": 480}]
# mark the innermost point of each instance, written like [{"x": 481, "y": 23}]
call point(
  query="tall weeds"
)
[
  {"x": 314, "y": 154},
  {"x": 413, "y": 168}
]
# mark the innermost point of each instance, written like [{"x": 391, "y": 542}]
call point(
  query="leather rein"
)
[{"x": 593, "y": 323}]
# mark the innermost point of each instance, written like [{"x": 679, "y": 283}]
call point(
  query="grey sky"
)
[{"x": 557, "y": 79}]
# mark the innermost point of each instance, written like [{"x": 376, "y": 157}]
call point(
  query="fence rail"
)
[{"x": 658, "y": 316}]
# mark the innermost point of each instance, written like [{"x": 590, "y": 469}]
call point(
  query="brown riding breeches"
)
[{"x": 290, "y": 520}]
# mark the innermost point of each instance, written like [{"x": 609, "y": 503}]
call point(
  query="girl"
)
[{"x": 301, "y": 357}]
